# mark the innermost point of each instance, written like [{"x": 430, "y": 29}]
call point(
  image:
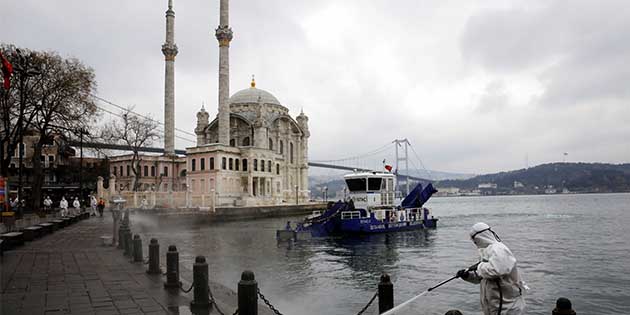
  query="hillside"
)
[{"x": 576, "y": 177}]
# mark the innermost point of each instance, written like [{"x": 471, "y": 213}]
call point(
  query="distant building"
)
[
  {"x": 518, "y": 184},
  {"x": 487, "y": 186},
  {"x": 448, "y": 191}
]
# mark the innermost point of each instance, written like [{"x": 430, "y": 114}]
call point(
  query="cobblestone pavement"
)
[{"x": 70, "y": 272}]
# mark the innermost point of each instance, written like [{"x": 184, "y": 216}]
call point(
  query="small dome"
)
[{"x": 253, "y": 95}]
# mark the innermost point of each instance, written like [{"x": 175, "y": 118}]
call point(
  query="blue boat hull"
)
[{"x": 371, "y": 225}]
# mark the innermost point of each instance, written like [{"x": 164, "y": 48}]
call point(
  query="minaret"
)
[
  {"x": 169, "y": 49},
  {"x": 224, "y": 35}
]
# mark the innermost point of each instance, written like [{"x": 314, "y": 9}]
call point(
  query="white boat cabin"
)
[{"x": 369, "y": 190}]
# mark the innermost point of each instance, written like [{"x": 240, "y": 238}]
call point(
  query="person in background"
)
[
  {"x": 101, "y": 206},
  {"x": 77, "y": 206},
  {"x": 93, "y": 205},
  {"x": 454, "y": 312},
  {"x": 501, "y": 286},
  {"x": 47, "y": 204},
  {"x": 63, "y": 206}
]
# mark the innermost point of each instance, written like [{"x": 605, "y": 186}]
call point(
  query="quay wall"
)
[{"x": 236, "y": 213}]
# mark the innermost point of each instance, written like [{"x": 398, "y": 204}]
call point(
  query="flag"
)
[
  {"x": 388, "y": 168},
  {"x": 7, "y": 70}
]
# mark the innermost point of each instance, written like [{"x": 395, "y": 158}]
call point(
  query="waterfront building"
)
[{"x": 252, "y": 153}]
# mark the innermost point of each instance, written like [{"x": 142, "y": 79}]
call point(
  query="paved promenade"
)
[{"x": 70, "y": 272}]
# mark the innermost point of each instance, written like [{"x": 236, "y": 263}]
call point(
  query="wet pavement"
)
[{"x": 71, "y": 272}]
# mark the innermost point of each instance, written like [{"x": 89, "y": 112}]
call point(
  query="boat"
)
[{"x": 371, "y": 206}]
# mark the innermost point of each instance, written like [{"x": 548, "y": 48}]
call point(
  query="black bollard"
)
[
  {"x": 154, "y": 257},
  {"x": 172, "y": 268},
  {"x": 128, "y": 244},
  {"x": 563, "y": 306},
  {"x": 385, "y": 294},
  {"x": 247, "y": 294},
  {"x": 121, "y": 237},
  {"x": 200, "y": 283},
  {"x": 137, "y": 248}
]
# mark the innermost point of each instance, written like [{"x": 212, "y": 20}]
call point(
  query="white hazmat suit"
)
[{"x": 500, "y": 283}]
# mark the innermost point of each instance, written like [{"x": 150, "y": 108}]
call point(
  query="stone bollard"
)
[
  {"x": 563, "y": 306},
  {"x": 128, "y": 244},
  {"x": 154, "y": 257},
  {"x": 137, "y": 248},
  {"x": 247, "y": 294},
  {"x": 385, "y": 294},
  {"x": 172, "y": 268},
  {"x": 200, "y": 284}
]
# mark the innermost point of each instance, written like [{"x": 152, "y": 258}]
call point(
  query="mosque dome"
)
[{"x": 253, "y": 95}]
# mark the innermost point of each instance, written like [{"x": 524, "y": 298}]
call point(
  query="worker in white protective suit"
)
[{"x": 500, "y": 283}]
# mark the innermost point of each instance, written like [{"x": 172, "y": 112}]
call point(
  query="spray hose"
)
[{"x": 402, "y": 305}]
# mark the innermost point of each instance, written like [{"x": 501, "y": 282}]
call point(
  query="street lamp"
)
[
  {"x": 297, "y": 198},
  {"x": 325, "y": 193},
  {"x": 82, "y": 131}
]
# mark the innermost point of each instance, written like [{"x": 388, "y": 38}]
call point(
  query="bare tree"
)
[
  {"x": 51, "y": 97},
  {"x": 134, "y": 132}
]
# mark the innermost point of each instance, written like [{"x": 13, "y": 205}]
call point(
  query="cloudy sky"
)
[{"x": 476, "y": 86}]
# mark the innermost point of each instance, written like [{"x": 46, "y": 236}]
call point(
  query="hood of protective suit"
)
[{"x": 482, "y": 235}]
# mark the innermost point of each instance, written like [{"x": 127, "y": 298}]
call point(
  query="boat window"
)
[
  {"x": 374, "y": 183},
  {"x": 346, "y": 215},
  {"x": 356, "y": 184}
]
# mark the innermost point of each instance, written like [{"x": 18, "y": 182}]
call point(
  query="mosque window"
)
[
  {"x": 128, "y": 170},
  {"x": 114, "y": 170},
  {"x": 153, "y": 171},
  {"x": 231, "y": 164},
  {"x": 193, "y": 165},
  {"x": 262, "y": 165},
  {"x": 277, "y": 169},
  {"x": 255, "y": 165},
  {"x": 165, "y": 171},
  {"x": 244, "y": 165},
  {"x": 232, "y": 142},
  {"x": 146, "y": 171},
  {"x": 291, "y": 152},
  {"x": 202, "y": 164},
  {"x": 211, "y": 163},
  {"x": 236, "y": 164},
  {"x": 270, "y": 144},
  {"x": 281, "y": 147},
  {"x": 269, "y": 166},
  {"x": 246, "y": 142},
  {"x": 121, "y": 171},
  {"x": 223, "y": 163}
]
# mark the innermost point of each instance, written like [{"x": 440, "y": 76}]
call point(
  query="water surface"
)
[{"x": 566, "y": 245}]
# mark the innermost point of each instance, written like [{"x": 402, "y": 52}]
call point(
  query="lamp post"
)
[
  {"x": 325, "y": 193},
  {"x": 297, "y": 198},
  {"x": 81, "y": 132}
]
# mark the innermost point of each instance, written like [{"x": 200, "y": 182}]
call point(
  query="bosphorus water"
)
[{"x": 576, "y": 246}]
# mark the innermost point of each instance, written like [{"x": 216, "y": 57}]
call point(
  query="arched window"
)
[
  {"x": 291, "y": 152},
  {"x": 114, "y": 170},
  {"x": 121, "y": 171},
  {"x": 223, "y": 163},
  {"x": 232, "y": 142},
  {"x": 165, "y": 171},
  {"x": 211, "y": 163},
  {"x": 262, "y": 165},
  {"x": 246, "y": 142},
  {"x": 270, "y": 144},
  {"x": 202, "y": 164},
  {"x": 128, "y": 170},
  {"x": 255, "y": 165},
  {"x": 269, "y": 166},
  {"x": 277, "y": 169},
  {"x": 231, "y": 164},
  {"x": 236, "y": 164},
  {"x": 193, "y": 165},
  {"x": 244, "y": 165},
  {"x": 281, "y": 147},
  {"x": 153, "y": 171},
  {"x": 146, "y": 171}
]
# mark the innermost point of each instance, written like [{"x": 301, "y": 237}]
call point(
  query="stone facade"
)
[{"x": 266, "y": 161}]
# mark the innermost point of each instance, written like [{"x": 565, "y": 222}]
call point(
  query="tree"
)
[
  {"x": 53, "y": 98},
  {"x": 134, "y": 132}
]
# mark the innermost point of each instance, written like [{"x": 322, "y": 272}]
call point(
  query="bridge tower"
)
[{"x": 398, "y": 143}]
